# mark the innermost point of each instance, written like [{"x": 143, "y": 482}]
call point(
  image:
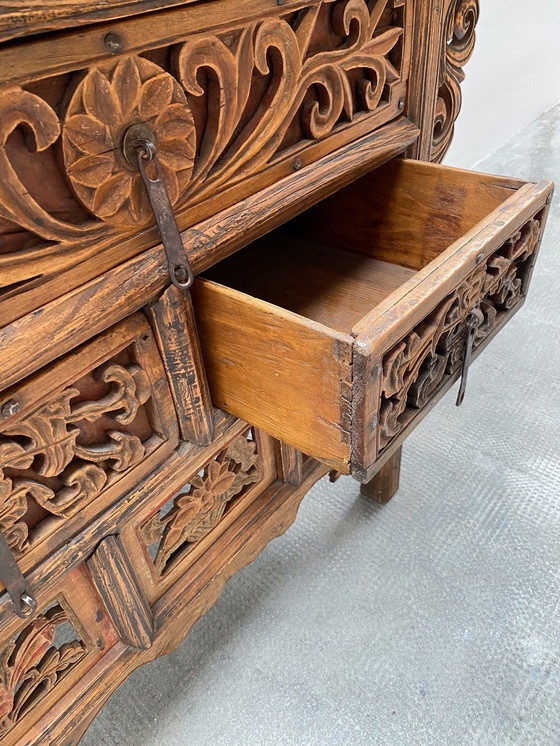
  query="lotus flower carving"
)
[{"x": 104, "y": 105}]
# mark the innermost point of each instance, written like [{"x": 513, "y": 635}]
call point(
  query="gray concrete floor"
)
[{"x": 432, "y": 620}]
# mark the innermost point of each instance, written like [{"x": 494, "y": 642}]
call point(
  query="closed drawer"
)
[
  {"x": 172, "y": 525},
  {"x": 43, "y": 657},
  {"x": 337, "y": 333},
  {"x": 77, "y": 435}
]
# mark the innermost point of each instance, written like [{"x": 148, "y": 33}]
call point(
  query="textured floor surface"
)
[{"x": 432, "y": 620}]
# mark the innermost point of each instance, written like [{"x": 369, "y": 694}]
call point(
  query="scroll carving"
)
[
  {"x": 194, "y": 513},
  {"x": 32, "y": 664},
  {"x": 224, "y": 107},
  {"x": 415, "y": 368},
  {"x": 59, "y": 458},
  {"x": 458, "y": 46}
]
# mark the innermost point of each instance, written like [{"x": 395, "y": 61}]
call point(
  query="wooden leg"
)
[{"x": 385, "y": 483}]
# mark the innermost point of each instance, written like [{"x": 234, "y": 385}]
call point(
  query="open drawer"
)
[{"x": 337, "y": 332}]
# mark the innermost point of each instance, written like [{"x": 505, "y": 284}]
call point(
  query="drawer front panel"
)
[
  {"x": 231, "y": 110},
  {"x": 168, "y": 534},
  {"x": 76, "y": 435},
  {"x": 432, "y": 353},
  {"x": 41, "y": 658}
]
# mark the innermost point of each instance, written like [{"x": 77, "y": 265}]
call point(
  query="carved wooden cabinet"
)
[{"x": 155, "y": 436}]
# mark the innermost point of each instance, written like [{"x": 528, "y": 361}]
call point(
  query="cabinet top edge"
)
[{"x": 43, "y": 16}]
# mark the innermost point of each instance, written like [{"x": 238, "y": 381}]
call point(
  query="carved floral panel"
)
[
  {"x": 35, "y": 661},
  {"x": 200, "y": 506},
  {"x": 62, "y": 454},
  {"x": 222, "y": 107},
  {"x": 417, "y": 366}
]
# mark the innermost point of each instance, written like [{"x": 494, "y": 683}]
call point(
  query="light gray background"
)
[{"x": 513, "y": 76}]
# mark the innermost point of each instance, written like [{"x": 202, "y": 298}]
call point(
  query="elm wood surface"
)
[
  {"x": 321, "y": 345},
  {"x": 80, "y": 432},
  {"x": 174, "y": 327},
  {"x": 126, "y": 605},
  {"x": 38, "y": 16},
  {"x": 316, "y": 280},
  {"x": 231, "y": 110}
]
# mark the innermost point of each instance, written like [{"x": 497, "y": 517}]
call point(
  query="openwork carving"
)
[
  {"x": 416, "y": 367},
  {"x": 459, "y": 41},
  {"x": 59, "y": 458},
  {"x": 223, "y": 107},
  {"x": 33, "y": 663},
  {"x": 309, "y": 90},
  {"x": 104, "y": 105},
  {"x": 199, "y": 509}
]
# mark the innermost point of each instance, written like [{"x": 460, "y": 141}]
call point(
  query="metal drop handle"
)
[
  {"x": 18, "y": 589},
  {"x": 474, "y": 320},
  {"x": 139, "y": 149}
]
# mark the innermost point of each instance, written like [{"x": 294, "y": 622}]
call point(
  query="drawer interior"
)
[{"x": 338, "y": 260}]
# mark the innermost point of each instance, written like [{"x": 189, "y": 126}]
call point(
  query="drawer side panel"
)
[{"x": 276, "y": 370}]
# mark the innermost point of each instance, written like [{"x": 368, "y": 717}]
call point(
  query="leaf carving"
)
[
  {"x": 416, "y": 367},
  {"x": 98, "y": 100},
  {"x": 31, "y": 666},
  {"x": 111, "y": 194},
  {"x": 91, "y": 170},
  {"x": 45, "y": 444},
  {"x": 51, "y": 441},
  {"x": 199, "y": 510},
  {"x": 87, "y": 134}
]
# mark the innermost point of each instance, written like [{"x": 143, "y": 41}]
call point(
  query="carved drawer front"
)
[
  {"x": 44, "y": 656},
  {"x": 334, "y": 333},
  {"x": 78, "y": 435},
  {"x": 169, "y": 533},
  {"x": 235, "y": 96}
]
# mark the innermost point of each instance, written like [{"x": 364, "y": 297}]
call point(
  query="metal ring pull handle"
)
[{"x": 144, "y": 149}]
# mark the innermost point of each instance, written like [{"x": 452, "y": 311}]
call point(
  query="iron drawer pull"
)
[
  {"x": 474, "y": 320},
  {"x": 139, "y": 149},
  {"x": 18, "y": 589}
]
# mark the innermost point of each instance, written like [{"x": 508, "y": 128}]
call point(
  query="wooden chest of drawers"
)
[{"x": 153, "y": 438}]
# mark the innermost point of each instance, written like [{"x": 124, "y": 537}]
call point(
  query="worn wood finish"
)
[
  {"x": 207, "y": 241},
  {"x": 126, "y": 605},
  {"x": 406, "y": 212},
  {"x": 38, "y": 16},
  {"x": 234, "y": 109},
  {"x": 176, "y": 612},
  {"x": 77, "y": 434},
  {"x": 384, "y": 485},
  {"x": 174, "y": 326},
  {"x": 167, "y": 534},
  {"x": 37, "y": 670},
  {"x": 127, "y": 499},
  {"x": 440, "y": 51},
  {"x": 290, "y": 463}
]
